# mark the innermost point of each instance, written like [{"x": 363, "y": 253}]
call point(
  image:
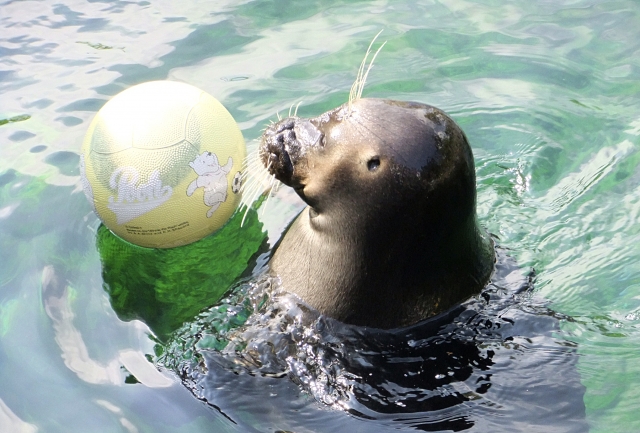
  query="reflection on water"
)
[
  {"x": 74, "y": 351},
  {"x": 547, "y": 93},
  {"x": 166, "y": 287},
  {"x": 493, "y": 364},
  {"x": 10, "y": 422}
]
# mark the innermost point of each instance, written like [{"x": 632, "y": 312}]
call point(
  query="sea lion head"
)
[{"x": 391, "y": 192}]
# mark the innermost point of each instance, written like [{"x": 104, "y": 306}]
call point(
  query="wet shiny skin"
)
[{"x": 390, "y": 236}]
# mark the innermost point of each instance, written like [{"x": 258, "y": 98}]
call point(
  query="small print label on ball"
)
[{"x": 135, "y": 230}]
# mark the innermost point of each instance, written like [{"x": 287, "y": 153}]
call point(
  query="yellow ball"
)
[{"x": 161, "y": 164}]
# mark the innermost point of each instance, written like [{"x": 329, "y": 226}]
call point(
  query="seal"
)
[{"x": 390, "y": 235}]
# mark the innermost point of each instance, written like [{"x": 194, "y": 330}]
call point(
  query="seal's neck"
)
[
  {"x": 384, "y": 281},
  {"x": 322, "y": 269}
]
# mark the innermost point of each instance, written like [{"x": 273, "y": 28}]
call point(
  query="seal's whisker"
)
[
  {"x": 246, "y": 160},
  {"x": 254, "y": 186},
  {"x": 252, "y": 192},
  {"x": 271, "y": 193},
  {"x": 278, "y": 114},
  {"x": 275, "y": 184},
  {"x": 354, "y": 87},
  {"x": 251, "y": 160},
  {"x": 252, "y": 196},
  {"x": 259, "y": 177},
  {"x": 295, "y": 113},
  {"x": 244, "y": 217},
  {"x": 257, "y": 188},
  {"x": 366, "y": 74},
  {"x": 250, "y": 186},
  {"x": 256, "y": 179},
  {"x": 358, "y": 86}
]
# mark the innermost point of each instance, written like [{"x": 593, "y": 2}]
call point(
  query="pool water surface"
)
[{"x": 93, "y": 333}]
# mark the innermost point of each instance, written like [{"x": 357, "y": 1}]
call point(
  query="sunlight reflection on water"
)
[{"x": 546, "y": 92}]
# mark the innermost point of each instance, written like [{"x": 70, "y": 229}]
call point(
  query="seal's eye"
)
[{"x": 373, "y": 163}]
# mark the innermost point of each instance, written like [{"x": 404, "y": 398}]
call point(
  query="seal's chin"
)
[{"x": 283, "y": 147}]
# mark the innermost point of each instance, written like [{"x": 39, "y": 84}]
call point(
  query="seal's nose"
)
[
  {"x": 280, "y": 149},
  {"x": 284, "y": 145}
]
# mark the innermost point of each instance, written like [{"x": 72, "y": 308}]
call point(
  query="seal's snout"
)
[
  {"x": 274, "y": 152},
  {"x": 278, "y": 145},
  {"x": 283, "y": 145}
]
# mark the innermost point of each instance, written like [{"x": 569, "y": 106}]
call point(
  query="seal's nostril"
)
[
  {"x": 285, "y": 124},
  {"x": 289, "y": 136}
]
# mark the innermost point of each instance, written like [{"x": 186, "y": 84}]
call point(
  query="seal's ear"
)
[{"x": 373, "y": 163}]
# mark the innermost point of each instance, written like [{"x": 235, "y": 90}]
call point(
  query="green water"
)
[{"x": 547, "y": 93}]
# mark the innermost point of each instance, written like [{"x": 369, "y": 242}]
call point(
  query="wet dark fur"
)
[{"x": 390, "y": 236}]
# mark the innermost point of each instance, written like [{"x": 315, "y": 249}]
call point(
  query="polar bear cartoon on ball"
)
[{"x": 212, "y": 177}]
